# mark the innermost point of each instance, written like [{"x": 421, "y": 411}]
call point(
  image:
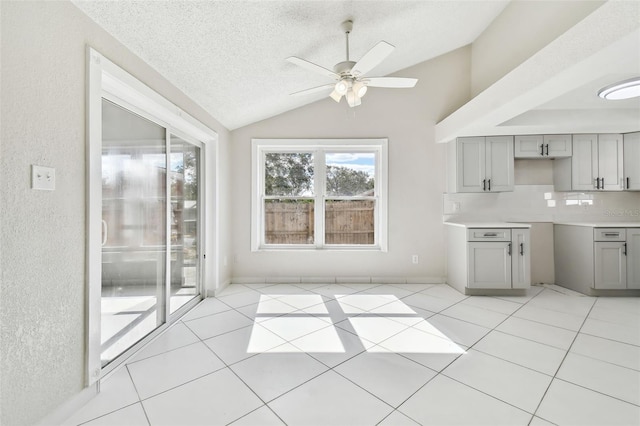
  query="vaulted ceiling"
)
[{"x": 229, "y": 56}]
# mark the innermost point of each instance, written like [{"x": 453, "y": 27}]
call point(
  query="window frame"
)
[{"x": 319, "y": 148}]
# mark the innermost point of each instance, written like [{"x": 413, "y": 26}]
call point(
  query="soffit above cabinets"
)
[{"x": 555, "y": 91}]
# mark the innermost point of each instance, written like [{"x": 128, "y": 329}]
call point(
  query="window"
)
[{"x": 319, "y": 194}]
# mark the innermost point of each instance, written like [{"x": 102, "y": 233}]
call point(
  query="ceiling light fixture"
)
[{"x": 622, "y": 90}]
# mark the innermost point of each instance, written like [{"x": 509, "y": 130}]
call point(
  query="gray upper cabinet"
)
[
  {"x": 542, "y": 146},
  {"x": 481, "y": 164},
  {"x": 595, "y": 165},
  {"x": 632, "y": 161}
]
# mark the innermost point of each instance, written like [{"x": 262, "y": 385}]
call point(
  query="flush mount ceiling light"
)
[
  {"x": 350, "y": 76},
  {"x": 623, "y": 90}
]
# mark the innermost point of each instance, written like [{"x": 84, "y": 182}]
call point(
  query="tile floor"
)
[{"x": 398, "y": 354}]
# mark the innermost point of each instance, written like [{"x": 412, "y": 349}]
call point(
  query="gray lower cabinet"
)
[
  {"x": 488, "y": 259},
  {"x": 597, "y": 259}
]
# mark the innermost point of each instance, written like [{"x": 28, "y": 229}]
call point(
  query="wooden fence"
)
[{"x": 346, "y": 222}]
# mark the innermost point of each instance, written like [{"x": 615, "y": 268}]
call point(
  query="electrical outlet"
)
[
  {"x": 43, "y": 178},
  {"x": 414, "y": 259}
]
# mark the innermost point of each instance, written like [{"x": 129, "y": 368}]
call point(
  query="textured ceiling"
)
[{"x": 229, "y": 56}]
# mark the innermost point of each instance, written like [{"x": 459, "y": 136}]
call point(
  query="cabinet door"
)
[
  {"x": 470, "y": 165},
  {"x": 557, "y": 146},
  {"x": 584, "y": 163},
  {"x": 610, "y": 161},
  {"x": 610, "y": 266},
  {"x": 633, "y": 258},
  {"x": 528, "y": 146},
  {"x": 631, "y": 162},
  {"x": 489, "y": 265},
  {"x": 520, "y": 258},
  {"x": 499, "y": 163}
]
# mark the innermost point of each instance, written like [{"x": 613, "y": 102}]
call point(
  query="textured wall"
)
[
  {"x": 416, "y": 175},
  {"x": 43, "y": 233}
]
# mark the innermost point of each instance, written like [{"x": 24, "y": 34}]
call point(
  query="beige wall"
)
[
  {"x": 43, "y": 233},
  {"x": 530, "y": 26},
  {"x": 416, "y": 175}
]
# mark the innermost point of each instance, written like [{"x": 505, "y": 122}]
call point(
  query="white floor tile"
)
[
  {"x": 436, "y": 362},
  {"x": 208, "y": 306},
  {"x": 428, "y": 302},
  {"x": 330, "y": 290},
  {"x": 285, "y": 289},
  {"x": 444, "y": 401},
  {"x": 413, "y": 287},
  {"x": 459, "y": 331},
  {"x": 475, "y": 315},
  {"x": 626, "y": 333},
  {"x": 214, "y": 325},
  {"x": 537, "y": 421},
  {"x": 238, "y": 288},
  {"x": 325, "y": 340},
  {"x": 397, "y": 419},
  {"x": 328, "y": 400},
  {"x": 170, "y": 369},
  {"x": 116, "y": 392},
  {"x": 390, "y": 377},
  {"x": 387, "y": 289},
  {"x": 537, "y": 356},
  {"x": 601, "y": 376},
  {"x": 132, "y": 415},
  {"x": 550, "y": 317},
  {"x": 493, "y": 304},
  {"x": 622, "y": 354},
  {"x": 574, "y": 305},
  {"x": 374, "y": 329},
  {"x": 415, "y": 340},
  {"x": 568, "y": 404},
  {"x": 243, "y": 343},
  {"x": 352, "y": 347},
  {"x": 444, "y": 291},
  {"x": 237, "y": 300},
  {"x": 358, "y": 303},
  {"x": 272, "y": 374},
  {"x": 263, "y": 416},
  {"x": 291, "y": 327},
  {"x": 250, "y": 311},
  {"x": 217, "y": 398},
  {"x": 501, "y": 379},
  {"x": 175, "y": 337},
  {"x": 538, "y": 332}
]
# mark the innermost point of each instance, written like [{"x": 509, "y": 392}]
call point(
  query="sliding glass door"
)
[{"x": 150, "y": 227}]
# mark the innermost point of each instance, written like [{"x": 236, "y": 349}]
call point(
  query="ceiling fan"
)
[{"x": 351, "y": 81}]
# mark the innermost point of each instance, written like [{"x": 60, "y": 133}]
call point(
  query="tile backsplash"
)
[{"x": 539, "y": 203}]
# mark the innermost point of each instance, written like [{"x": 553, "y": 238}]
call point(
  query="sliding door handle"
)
[
  {"x": 521, "y": 249},
  {"x": 624, "y": 249}
]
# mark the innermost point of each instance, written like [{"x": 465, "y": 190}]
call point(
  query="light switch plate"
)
[{"x": 43, "y": 178}]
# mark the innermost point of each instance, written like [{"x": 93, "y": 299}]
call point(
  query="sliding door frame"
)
[{"x": 105, "y": 80}]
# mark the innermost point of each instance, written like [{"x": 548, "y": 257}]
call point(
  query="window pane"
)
[
  {"x": 288, "y": 221},
  {"x": 288, "y": 174},
  {"x": 349, "y": 222},
  {"x": 350, "y": 173}
]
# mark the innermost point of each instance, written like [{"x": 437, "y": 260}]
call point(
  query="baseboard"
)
[
  {"x": 69, "y": 407},
  {"x": 335, "y": 280}
]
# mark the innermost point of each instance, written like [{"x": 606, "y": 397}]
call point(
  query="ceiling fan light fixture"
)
[
  {"x": 353, "y": 99},
  {"x": 335, "y": 96},
  {"x": 360, "y": 88},
  {"x": 622, "y": 90},
  {"x": 342, "y": 87}
]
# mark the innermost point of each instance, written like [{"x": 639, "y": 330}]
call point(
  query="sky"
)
[{"x": 364, "y": 161}]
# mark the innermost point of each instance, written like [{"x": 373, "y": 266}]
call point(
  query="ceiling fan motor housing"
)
[{"x": 344, "y": 68}]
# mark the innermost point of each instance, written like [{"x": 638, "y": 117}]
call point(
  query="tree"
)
[
  {"x": 289, "y": 174},
  {"x": 347, "y": 181}
]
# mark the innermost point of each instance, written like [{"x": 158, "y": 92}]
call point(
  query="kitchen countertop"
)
[
  {"x": 488, "y": 224},
  {"x": 602, "y": 224}
]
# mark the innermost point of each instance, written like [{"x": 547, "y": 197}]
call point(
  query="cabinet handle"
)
[
  {"x": 521, "y": 249},
  {"x": 597, "y": 183},
  {"x": 509, "y": 250},
  {"x": 484, "y": 184},
  {"x": 547, "y": 148},
  {"x": 601, "y": 183},
  {"x": 489, "y": 182},
  {"x": 490, "y": 234},
  {"x": 611, "y": 234},
  {"x": 541, "y": 149},
  {"x": 625, "y": 249},
  {"x": 628, "y": 186}
]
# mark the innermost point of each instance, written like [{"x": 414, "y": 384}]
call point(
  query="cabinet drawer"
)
[
  {"x": 609, "y": 234},
  {"x": 488, "y": 234}
]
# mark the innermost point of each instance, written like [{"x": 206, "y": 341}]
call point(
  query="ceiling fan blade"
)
[
  {"x": 312, "y": 67},
  {"x": 372, "y": 58},
  {"x": 391, "y": 82},
  {"x": 322, "y": 88}
]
